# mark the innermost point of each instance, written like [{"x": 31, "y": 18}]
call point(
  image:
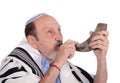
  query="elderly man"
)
[{"x": 40, "y": 57}]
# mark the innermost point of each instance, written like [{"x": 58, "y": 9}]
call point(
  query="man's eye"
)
[{"x": 50, "y": 32}]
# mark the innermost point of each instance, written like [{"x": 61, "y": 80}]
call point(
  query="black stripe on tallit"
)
[
  {"x": 24, "y": 56},
  {"x": 86, "y": 74},
  {"x": 11, "y": 71},
  {"x": 76, "y": 76}
]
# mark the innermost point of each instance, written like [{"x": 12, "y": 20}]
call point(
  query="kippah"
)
[{"x": 34, "y": 18}]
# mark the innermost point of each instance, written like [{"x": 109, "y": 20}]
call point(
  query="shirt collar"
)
[{"x": 44, "y": 64}]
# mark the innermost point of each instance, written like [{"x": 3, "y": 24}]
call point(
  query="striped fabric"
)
[{"x": 19, "y": 67}]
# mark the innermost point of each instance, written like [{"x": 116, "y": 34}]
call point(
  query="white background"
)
[{"x": 76, "y": 17}]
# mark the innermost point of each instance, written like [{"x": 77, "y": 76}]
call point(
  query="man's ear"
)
[{"x": 32, "y": 41}]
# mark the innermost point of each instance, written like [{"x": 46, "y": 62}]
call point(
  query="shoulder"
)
[
  {"x": 19, "y": 57},
  {"x": 12, "y": 63},
  {"x": 14, "y": 69}
]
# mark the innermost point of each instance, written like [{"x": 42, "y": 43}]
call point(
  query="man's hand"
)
[
  {"x": 100, "y": 44},
  {"x": 65, "y": 51}
]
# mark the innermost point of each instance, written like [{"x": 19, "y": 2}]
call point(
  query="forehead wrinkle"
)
[{"x": 52, "y": 27}]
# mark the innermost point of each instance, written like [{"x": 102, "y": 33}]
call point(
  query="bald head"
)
[{"x": 39, "y": 20}]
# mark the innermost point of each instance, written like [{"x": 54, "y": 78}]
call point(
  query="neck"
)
[
  {"x": 50, "y": 56},
  {"x": 45, "y": 53}
]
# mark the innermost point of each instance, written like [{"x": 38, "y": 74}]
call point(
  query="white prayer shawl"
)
[{"x": 20, "y": 67}]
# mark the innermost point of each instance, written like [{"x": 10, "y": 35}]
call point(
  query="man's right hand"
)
[{"x": 65, "y": 51}]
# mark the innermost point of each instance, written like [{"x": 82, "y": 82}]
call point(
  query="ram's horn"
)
[{"x": 84, "y": 47}]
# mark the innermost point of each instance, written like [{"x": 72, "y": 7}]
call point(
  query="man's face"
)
[{"x": 48, "y": 34}]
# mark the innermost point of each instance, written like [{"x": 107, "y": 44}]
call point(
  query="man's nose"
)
[{"x": 59, "y": 36}]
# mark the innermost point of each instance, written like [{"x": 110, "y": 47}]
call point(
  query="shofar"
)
[{"x": 84, "y": 47}]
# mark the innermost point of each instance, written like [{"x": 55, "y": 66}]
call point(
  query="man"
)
[{"x": 40, "y": 58}]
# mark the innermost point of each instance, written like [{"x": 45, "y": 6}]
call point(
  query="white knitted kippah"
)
[{"x": 34, "y": 18}]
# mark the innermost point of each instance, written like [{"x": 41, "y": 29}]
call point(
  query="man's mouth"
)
[{"x": 59, "y": 44}]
